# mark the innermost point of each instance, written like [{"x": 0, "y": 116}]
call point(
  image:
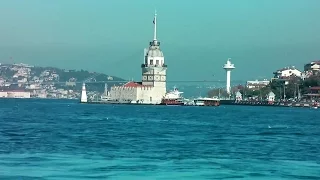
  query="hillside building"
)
[
  {"x": 312, "y": 68},
  {"x": 287, "y": 72},
  {"x": 15, "y": 94},
  {"x": 257, "y": 84}
]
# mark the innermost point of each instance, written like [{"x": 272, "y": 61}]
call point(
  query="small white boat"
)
[
  {"x": 315, "y": 105},
  {"x": 214, "y": 101}
]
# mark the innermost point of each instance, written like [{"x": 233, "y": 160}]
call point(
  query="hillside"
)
[
  {"x": 74, "y": 75},
  {"x": 51, "y": 80}
]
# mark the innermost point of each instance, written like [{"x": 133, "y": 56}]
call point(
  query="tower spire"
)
[
  {"x": 155, "y": 26},
  {"x": 228, "y": 67}
]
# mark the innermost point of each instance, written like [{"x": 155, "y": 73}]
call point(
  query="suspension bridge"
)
[{"x": 124, "y": 81}]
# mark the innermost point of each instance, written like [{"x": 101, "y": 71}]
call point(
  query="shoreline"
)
[
  {"x": 230, "y": 103},
  {"x": 222, "y": 103}
]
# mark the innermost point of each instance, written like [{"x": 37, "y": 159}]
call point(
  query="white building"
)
[
  {"x": 14, "y": 94},
  {"x": 3, "y": 94},
  {"x": 287, "y": 72},
  {"x": 238, "y": 96},
  {"x": 23, "y": 80},
  {"x": 153, "y": 86},
  {"x": 312, "y": 68},
  {"x": 257, "y": 84},
  {"x": 271, "y": 96}
]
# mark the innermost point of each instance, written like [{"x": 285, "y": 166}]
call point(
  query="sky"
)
[{"x": 197, "y": 37}]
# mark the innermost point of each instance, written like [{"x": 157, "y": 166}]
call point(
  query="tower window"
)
[
  {"x": 151, "y": 62},
  {"x": 157, "y": 62}
]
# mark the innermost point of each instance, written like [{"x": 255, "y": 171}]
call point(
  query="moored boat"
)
[
  {"x": 315, "y": 105},
  {"x": 207, "y": 101},
  {"x": 173, "y": 98}
]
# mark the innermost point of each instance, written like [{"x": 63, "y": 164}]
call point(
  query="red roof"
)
[{"x": 133, "y": 84}]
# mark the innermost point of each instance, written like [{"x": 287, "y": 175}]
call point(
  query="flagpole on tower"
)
[{"x": 155, "y": 26}]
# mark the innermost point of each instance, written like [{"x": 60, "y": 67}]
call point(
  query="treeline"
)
[
  {"x": 79, "y": 75},
  {"x": 292, "y": 87}
]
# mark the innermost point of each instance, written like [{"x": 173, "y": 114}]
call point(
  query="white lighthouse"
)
[
  {"x": 83, "y": 94},
  {"x": 228, "y": 67}
]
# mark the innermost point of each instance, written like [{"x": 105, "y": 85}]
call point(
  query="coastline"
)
[{"x": 222, "y": 103}]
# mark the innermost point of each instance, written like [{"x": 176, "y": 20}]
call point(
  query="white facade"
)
[
  {"x": 136, "y": 93},
  {"x": 287, "y": 72},
  {"x": 3, "y": 94},
  {"x": 15, "y": 94},
  {"x": 312, "y": 68},
  {"x": 315, "y": 67},
  {"x": 271, "y": 96},
  {"x": 153, "y": 86},
  {"x": 123, "y": 93},
  {"x": 238, "y": 96},
  {"x": 257, "y": 84},
  {"x": 84, "y": 98},
  {"x": 228, "y": 67}
]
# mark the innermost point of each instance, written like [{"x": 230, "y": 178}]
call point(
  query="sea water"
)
[{"x": 59, "y": 139}]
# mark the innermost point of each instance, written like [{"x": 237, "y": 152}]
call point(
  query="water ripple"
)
[{"x": 41, "y": 139}]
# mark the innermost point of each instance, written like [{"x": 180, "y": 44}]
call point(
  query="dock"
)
[
  {"x": 225, "y": 102},
  {"x": 274, "y": 104}
]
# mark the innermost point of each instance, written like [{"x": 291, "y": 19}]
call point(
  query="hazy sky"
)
[{"x": 196, "y": 37}]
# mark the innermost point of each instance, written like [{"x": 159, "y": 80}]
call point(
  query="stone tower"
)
[{"x": 154, "y": 67}]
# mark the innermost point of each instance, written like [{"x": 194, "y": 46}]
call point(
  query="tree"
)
[
  {"x": 312, "y": 81},
  {"x": 290, "y": 86},
  {"x": 215, "y": 92}
]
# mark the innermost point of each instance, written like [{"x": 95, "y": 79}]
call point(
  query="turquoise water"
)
[{"x": 56, "y": 139}]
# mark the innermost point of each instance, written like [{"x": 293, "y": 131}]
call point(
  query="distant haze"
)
[{"x": 196, "y": 37}]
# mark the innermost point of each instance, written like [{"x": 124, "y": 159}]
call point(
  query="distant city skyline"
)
[{"x": 196, "y": 38}]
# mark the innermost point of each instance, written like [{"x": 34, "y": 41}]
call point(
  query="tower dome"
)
[{"x": 154, "y": 51}]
